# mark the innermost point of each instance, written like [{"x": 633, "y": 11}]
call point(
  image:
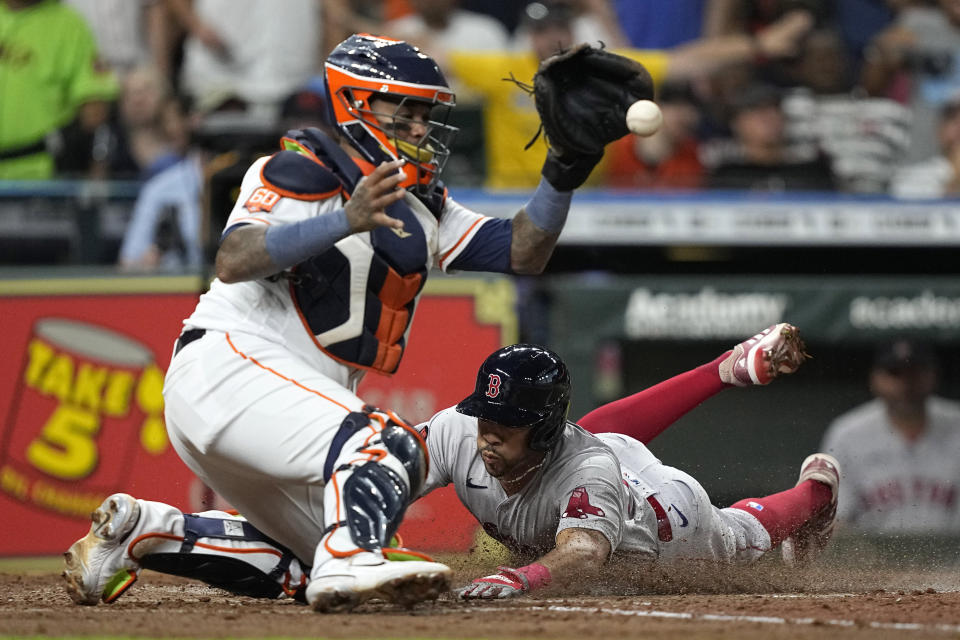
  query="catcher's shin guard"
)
[
  {"x": 231, "y": 554},
  {"x": 375, "y": 499},
  {"x": 378, "y": 471}
]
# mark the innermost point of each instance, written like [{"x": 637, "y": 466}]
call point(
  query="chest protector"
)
[{"x": 356, "y": 299}]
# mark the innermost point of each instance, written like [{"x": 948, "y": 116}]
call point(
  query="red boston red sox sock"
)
[
  {"x": 783, "y": 513},
  {"x": 646, "y": 414}
]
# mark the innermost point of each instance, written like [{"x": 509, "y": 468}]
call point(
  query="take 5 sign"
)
[
  {"x": 81, "y": 398},
  {"x": 82, "y": 384}
]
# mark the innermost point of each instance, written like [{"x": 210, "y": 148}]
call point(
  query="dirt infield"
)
[{"x": 691, "y": 602}]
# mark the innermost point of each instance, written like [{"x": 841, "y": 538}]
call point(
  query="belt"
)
[{"x": 188, "y": 336}]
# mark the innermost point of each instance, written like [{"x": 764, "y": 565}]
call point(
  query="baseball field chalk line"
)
[{"x": 721, "y": 617}]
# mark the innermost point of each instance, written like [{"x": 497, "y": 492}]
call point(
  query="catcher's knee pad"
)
[
  {"x": 375, "y": 498},
  {"x": 400, "y": 440},
  {"x": 230, "y": 554},
  {"x": 404, "y": 444}
]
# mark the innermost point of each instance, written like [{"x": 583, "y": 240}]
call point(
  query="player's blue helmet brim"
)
[{"x": 524, "y": 386}]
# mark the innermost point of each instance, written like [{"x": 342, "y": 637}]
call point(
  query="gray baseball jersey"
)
[
  {"x": 579, "y": 484},
  {"x": 891, "y": 485},
  {"x": 602, "y": 482}
]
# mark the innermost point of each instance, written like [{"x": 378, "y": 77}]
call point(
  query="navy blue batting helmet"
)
[
  {"x": 524, "y": 386},
  {"x": 365, "y": 67}
]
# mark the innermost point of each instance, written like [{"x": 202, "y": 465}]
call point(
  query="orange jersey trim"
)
[
  {"x": 283, "y": 377},
  {"x": 460, "y": 241},
  {"x": 248, "y": 219}
]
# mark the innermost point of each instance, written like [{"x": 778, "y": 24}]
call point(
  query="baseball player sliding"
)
[
  {"x": 551, "y": 489},
  {"x": 319, "y": 270}
]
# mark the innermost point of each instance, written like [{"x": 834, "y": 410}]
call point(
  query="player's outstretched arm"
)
[
  {"x": 578, "y": 556},
  {"x": 775, "y": 351},
  {"x": 254, "y": 251},
  {"x": 646, "y": 414}
]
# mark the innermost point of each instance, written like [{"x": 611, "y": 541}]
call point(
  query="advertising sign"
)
[{"x": 81, "y": 405}]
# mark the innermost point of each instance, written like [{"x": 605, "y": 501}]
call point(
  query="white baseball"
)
[{"x": 644, "y": 118}]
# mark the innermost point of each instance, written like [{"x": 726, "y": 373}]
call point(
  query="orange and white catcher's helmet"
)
[{"x": 364, "y": 67}]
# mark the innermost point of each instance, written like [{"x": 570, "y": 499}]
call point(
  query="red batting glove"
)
[{"x": 508, "y": 583}]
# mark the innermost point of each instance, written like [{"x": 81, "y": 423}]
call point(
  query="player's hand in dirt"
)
[
  {"x": 508, "y": 583},
  {"x": 366, "y": 209}
]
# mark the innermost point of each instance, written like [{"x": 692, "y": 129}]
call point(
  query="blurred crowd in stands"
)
[{"x": 856, "y": 96}]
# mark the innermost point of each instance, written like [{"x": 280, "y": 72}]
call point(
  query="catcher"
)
[
  {"x": 552, "y": 492},
  {"x": 319, "y": 268}
]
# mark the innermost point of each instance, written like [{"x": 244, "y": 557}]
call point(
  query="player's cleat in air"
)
[
  {"x": 340, "y": 584},
  {"x": 97, "y": 566},
  {"x": 808, "y": 542},
  {"x": 774, "y": 351}
]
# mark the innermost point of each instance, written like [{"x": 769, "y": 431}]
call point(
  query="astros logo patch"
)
[{"x": 493, "y": 386}]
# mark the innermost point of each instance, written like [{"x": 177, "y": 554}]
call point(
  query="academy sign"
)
[{"x": 706, "y": 313}]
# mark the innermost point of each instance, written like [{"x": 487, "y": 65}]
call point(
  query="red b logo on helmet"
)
[{"x": 493, "y": 386}]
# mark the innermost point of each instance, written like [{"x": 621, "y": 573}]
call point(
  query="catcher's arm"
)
[
  {"x": 578, "y": 556},
  {"x": 530, "y": 245},
  {"x": 582, "y": 96},
  {"x": 251, "y": 252}
]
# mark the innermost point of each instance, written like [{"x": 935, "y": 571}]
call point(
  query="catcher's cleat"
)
[
  {"x": 808, "y": 541},
  {"x": 774, "y": 351},
  {"x": 341, "y": 584},
  {"x": 97, "y": 566}
]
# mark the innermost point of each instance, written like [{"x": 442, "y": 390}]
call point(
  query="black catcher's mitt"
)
[{"x": 582, "y": 96}]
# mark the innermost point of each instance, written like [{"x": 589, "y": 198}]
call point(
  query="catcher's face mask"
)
[{"x": 412, "y": 101}]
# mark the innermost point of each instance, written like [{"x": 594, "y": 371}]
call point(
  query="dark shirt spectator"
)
[
  {"x": 758, "y": 158},
  {"x": 133, "y": 144},
  {"x": 865, "y": 137}
]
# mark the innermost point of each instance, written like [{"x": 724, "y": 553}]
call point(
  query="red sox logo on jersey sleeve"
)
[
  {"x": 493, "y": 386},
  {"x": 579, "y": 506}
]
